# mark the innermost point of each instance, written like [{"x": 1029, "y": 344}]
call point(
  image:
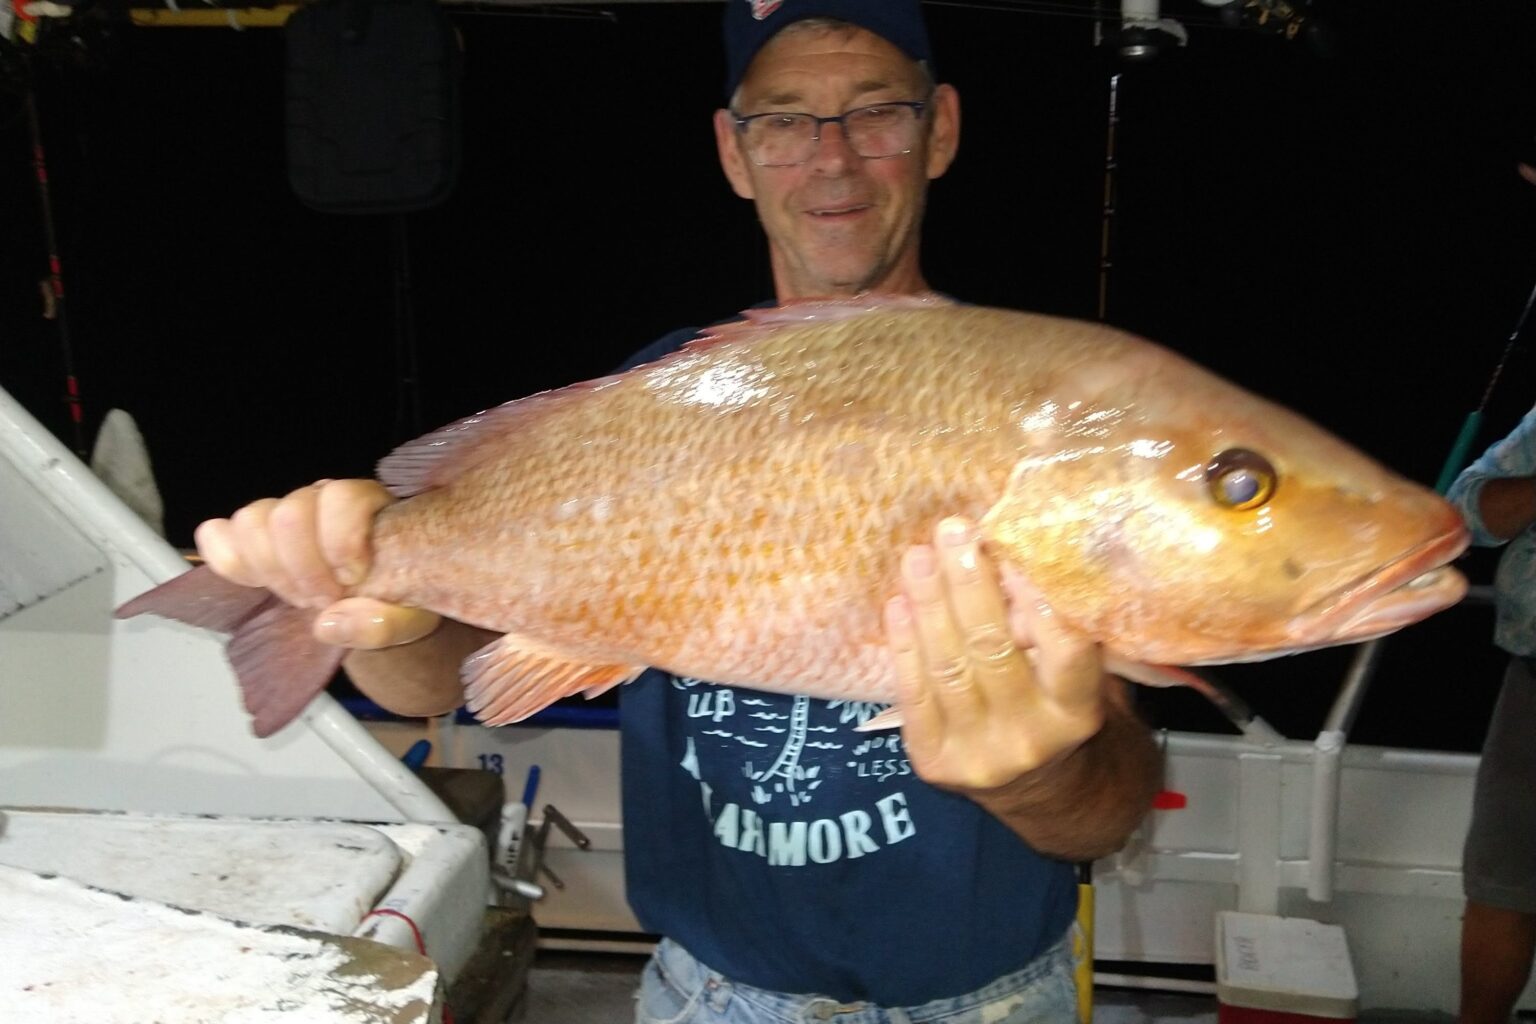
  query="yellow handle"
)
[{"x": 1082, "y": 952}]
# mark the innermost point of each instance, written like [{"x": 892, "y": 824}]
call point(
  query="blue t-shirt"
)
[{"x": 789, "y": 852}]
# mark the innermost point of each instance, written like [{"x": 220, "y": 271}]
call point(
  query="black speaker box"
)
[{"x": 373, "y": 94}]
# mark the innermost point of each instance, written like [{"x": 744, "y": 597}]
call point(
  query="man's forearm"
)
[
  {"x": 1087, "y": 804},
  {"x": 419, "y": 678}
]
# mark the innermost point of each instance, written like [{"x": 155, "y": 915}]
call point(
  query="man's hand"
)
[
  {"x": 978, "y": 710},
  {"x": 1002, "y": 702},
  {"x": 310, "y": 548}
]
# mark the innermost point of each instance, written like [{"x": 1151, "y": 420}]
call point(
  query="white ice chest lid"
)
[
  {"x": 322, "y": 875},
  {"x": 1288, "y": 964}
]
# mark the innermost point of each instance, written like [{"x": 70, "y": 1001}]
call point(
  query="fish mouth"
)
[{"x": 1412, "y": 588}]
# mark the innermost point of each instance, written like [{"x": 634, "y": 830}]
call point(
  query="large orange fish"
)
[{"x": 736, "y": 512}]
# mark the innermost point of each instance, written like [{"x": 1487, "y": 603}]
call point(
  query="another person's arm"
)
[
  {"x": 1496, "y": 495},
  {"x": 1507, "y": 505}
]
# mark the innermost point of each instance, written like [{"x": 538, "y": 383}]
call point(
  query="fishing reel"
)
[
  {"x": 1291, "y": 20},
  {"x": 79, "y": 36},
  {"x": 1143, "y": 32},
  {"x": 1278, "y": 16}
]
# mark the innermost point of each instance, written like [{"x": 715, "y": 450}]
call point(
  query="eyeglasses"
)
[{"x": 783, "y": 139}]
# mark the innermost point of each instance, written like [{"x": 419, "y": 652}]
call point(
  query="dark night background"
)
[{"x": 1336, "y": 225}]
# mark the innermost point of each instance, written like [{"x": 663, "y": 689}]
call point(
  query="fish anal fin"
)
[
  {"x": 890, "y": 718},
  {"x": 1150, "y": 675},
  {"x": 514, "y": 677}
]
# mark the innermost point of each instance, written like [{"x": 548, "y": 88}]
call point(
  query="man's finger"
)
[
  {"x": 344, "y": 521},
  {"x": 980, "y": 610},
  {"x": 1069, "y": 667},
  {"x": 365, "y": 624},
  {"x": 921, "y": 715},
  {"x": 251, "y": 535},
  {"x": 943, "y": 648},
  {"x": 993, "y": 670},
  {"x": 296, "y": 545},
  {"x": 216, "y": 546},
  {"x": 1021, "y": 597}
]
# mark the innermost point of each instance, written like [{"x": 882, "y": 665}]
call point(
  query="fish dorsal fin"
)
[
  {"x": 512, "y": 677},
  {"x": 439, "y": 457},
  {"x": 760, "y": 321}
]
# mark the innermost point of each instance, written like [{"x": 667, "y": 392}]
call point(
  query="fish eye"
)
[{"x": 1240, "y": 479}]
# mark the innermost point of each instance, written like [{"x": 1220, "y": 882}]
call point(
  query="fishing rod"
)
[
  {"x": 1526, "y": 167},
  {"x": 1474, "y": 421},
  {"x": 55, "y": 308},
  {"x": 1341, "y": 717},
  {"x": 1225, "y": 700}
]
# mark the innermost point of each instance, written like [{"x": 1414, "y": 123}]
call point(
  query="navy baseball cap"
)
[{"x": 748, "y": 24}]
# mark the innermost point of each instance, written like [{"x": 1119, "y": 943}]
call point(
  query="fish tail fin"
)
[
  {"x": 200, "y": 597},
  {"x": 279, "y": 663}
]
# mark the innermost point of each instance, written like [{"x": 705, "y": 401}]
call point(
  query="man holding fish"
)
[
  {"x": 801, "y": 857},
  {"x": 1054, "y": 751}
]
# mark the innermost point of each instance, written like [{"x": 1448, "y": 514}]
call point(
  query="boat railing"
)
[{"x": 1328, "y": 751}]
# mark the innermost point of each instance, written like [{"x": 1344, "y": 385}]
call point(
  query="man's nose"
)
[{"x": 833, "y": 150}]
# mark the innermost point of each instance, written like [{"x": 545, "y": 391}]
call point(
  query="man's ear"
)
[
  {"x": 944, "y": 138},
  {"x": 731, "y": 159}
]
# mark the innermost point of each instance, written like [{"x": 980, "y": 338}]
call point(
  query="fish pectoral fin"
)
[
  {"x": 890, "y": 718},
  {"x": 513, "y": 677},
  {"x": 598, "y": 689},
  {"x": 1150, "y": 675}
]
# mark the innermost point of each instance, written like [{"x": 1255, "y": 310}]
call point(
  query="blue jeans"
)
[{"x": 677, "y": 989}]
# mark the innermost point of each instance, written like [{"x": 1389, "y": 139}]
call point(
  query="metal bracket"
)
[{"x": 520, "y": 886}]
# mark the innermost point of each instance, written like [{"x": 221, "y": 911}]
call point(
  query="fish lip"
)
[{"x": 1385, "y": 600}]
